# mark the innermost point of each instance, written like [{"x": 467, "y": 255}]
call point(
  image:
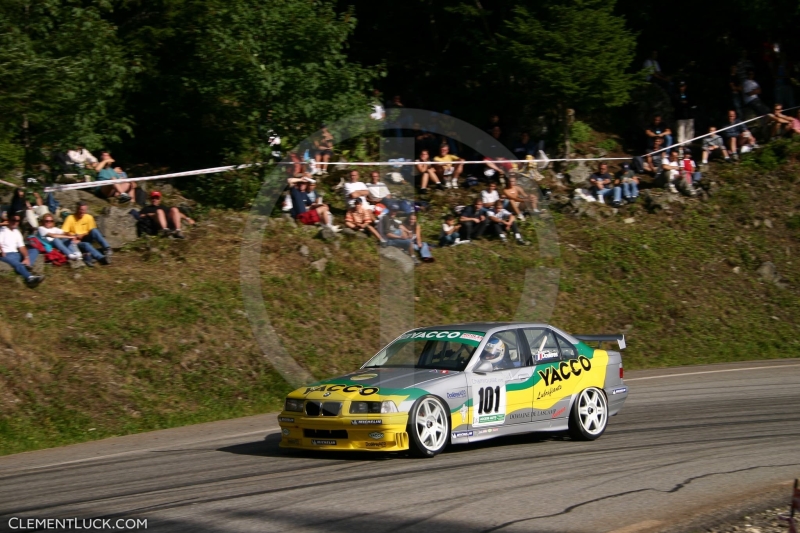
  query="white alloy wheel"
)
[
  {"x": 590, "y": 414},
  {"x": 429, "y": 426}
]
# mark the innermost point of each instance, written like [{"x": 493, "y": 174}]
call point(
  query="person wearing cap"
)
[
  {"x": 630, "y": 183},
  {"x": 14, "y": 253},
  {"x": 156, "y": 218},
  {"x": 303, "y": 209}
]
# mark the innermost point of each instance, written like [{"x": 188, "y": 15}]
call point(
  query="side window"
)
[
  {"x": 568, "y": 351},
  {"x": 503, "y": 350},
  {"x": 543, "y": 345}
]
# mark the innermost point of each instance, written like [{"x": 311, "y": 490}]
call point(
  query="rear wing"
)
[{"x": 619, "y": 339}]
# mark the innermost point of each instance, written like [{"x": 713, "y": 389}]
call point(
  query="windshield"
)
[{"x": 441, "y": 350}]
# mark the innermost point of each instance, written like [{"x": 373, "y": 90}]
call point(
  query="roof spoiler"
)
[{"x": 619, "y": 339}]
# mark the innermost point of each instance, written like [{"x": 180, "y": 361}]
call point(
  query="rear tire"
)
[
  {"x": 428, "y": 426},
  {"x": 589, "y": 416}
]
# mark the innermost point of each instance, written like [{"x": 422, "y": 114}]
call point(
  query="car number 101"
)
[{"x": 489, "y": 405}]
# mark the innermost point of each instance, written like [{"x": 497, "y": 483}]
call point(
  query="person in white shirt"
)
[
  {"x": 672, "y": 170},
  {"x": 450, "y": 233},
  {"x": 53, "y": 235},
  {"x": 354, "y": 188},
  {"x": 14, "y": 253},
  {"x": 502, "y": 221},
  {"x": 377, "y": 189},
  {"x": 653, "y": 69},
  {"x": 490, "y": 195},
  {"x": 80, "y": 156}
]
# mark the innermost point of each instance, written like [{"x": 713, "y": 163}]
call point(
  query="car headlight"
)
[
  {"x": 294, "y": 405},
  {"x": 367, "y": 408}
]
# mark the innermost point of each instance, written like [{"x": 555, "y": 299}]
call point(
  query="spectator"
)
[
  {"x": 323, "y": 144},
  {"x": 672, "y": 170},
  {"x": 689, "y": 173},
  {"x": 492, "y": 150},
  {"x": 106, "y": 161},
  {"x": 395, "y": 234},
  {"x": 53, "y": 235},
  {"x": 784, "y": 75},
  {"x": 450, "y": 232},
  {"x": 603, "y": 184},
  {"x": 490, "y": 194},
  {"x": 653, "y": 69},
  {"x": 473, "y": 221},
  {"x": 713, "y": 144},
  {"x": 525, "y": 146},
  {"x": 658, "y": 129},
  {"x": 303, "y": 210},
  {"x": 81, "y": 157},
  {"x": 122, "y": 191},
  {"x": 779, "y": 123},
  {"x": 378, "y": 191},
  {"x": 426, "y": 172},
  {"x": 520, "y": 202},
  {"x": 82, "y": 226},
  {"x": 748, "y": 143},
  {"x": 630, "y": 183},
  {"x": 355, "y": 188},
  {"x": 733, "y": 133},
  {"x": 794, "y": 127},
  {"x": 735, "y": 84},
  {"x": 359, "y": 218},
  {"x": 14, "y": 253},
  {"x": 448, "y": 173},
  {"x": 425, "y": 140},
  {"x": 649, "y": 165},
  {"x": 21, "y": 206},
  {"x": 684, "y": 112},
  {"x": 412, "y": 228},
  {"x": 502, "y": 221},
  {"x": 159, "y": 219},
  {"x": 751, "y": 92}
]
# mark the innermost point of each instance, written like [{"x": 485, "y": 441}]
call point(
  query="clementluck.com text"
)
[{"x": 22, "y": 524}]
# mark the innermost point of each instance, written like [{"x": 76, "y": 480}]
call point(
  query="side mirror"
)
[{"x": 484, "y": 367}]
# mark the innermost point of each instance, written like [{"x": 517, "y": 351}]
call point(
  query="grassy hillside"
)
[{"x": 160, "y": 338}]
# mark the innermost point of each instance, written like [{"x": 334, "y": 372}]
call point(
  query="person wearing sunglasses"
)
[
  {"x": 14, "y": 253},
  {"x": 58, "y": 238}
]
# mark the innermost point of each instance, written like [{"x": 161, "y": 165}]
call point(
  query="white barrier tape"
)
[
  {"x": 7, "y": 183},
  {"x": 90, "y": 184}
]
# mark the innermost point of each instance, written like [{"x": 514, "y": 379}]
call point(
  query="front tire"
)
[
  {"x": 428, "y": 426},
  {"x": 589, "y": 417}
]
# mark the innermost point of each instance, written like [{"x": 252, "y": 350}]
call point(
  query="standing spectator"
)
[
  {"x": 733, "y": 133},
  {"x": 303, "y": 210},
  {"x": 658, "y": 129},
  {"x": 520, "y": 202},
  {"x": 502, "y": 221},
  {"x": 50, "y": 233},
  {"x": 672, "y": 170},
  {"x": 743, "y": 66},
  {"x": 159, "y": 219},
  {"x": 20, "y": 205},
  {"x": 630, "y": 183},
  {"x": 14, "y": 253},
  {"x": 751, "y": 92},
  {"x": 448, "y": 173},
  {"x": 450, "y": 232},
  {"x": 426, "y": 172},
  {"x": 713, "y": 144},
  {"x": 81, "y": 157},
  {"x": 323, "y": 144},
  {"x": 355, "y": 188},
  {"x": 412, "y": 229},
  {"x": 603, "y": 184},
  {"x": 122, "y": 191},
  {"x": 473, "y": 221},
  {"x": 684, "y": 112},
  {"x": 490, "y": 194},
  {"x": 735, "y": 85},
  {"x": 359, "y": 218},
  {"x": 83, "y": 227},
  {"x": 779, "y": 123}
]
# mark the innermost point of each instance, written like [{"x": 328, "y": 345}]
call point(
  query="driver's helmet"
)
[{"x": 494, "y": 350}]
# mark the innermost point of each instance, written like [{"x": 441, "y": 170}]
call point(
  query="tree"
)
[
  {"x": 574, "y": 53},
  {"x": 63, "y": 75}
]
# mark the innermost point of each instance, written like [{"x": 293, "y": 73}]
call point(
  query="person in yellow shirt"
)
[
  {"x": 448, "y": 173},
  {"x": 83, "y": 226}
]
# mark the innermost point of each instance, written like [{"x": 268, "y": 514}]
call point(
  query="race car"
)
[{"x": 461, "y": 383}]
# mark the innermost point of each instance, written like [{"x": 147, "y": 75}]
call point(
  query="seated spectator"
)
[
  {"x": 122, "y": 191},
  {"x": 501, "y": 221},
  {"x": 157, "y": 219},
  {"x": 412, "y": 228},
  {"x": 473, "y": 221},
  {"x": 355, "y": 188},
  {"x": 391, "y": 228},
  {"x": 14, "y": 253},
  {"x": 82, "y": 226},
  {"x": 520, "y": 202},
  {"x": 658, "y": 129},
  {"x": 751, "y": 94},
  {"x": 359, "y": 218},
  {"x": 323, "y": 145},
  {"x": 733, "y": 132},
  {"x": 425, "y": 172},
  {"x": 81, "y": 157},
  {"x": 525, "y": 147},
  {"x": 649, "y": 164},
  {"x": 450, "y": 232},
  {"x": 735, "y": 84},
  {"x": 794, "y": 127},
  {"x": 689, "y": 173},
  {"x": 492, "y": 151},
  {"x": 378, "y": 191},
  {"x": 714, "y": 145},
  {"x": 748, "y": 143},
  {"x": 21, "y": 206},
  {"x": 448, "y": 173},
  {"x": 604, "y": 185},
  {"x": 490, "y": 194},
  {"x": 106, "y": 161},
  {"x": 303, "y": 210},
  {"x": 672, "y": 170},
  {"x": 57, "y": 238},
  {"x": 780, "y": 124},
  {"x": 630, "y": 183}
]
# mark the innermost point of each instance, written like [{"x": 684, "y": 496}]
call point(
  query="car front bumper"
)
[{"x": 380, "y": 433}]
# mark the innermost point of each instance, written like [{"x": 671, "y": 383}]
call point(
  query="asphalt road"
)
[{"x": 688, "y": 441}]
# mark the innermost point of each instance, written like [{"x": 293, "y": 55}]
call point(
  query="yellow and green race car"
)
[{"x": 461, "y": 383}]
